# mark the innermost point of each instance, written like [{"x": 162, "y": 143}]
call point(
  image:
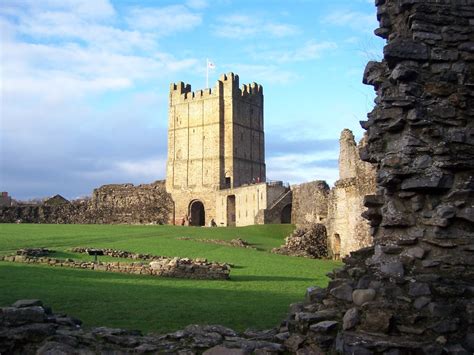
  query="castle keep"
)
[{"x": 216, "y": 155}]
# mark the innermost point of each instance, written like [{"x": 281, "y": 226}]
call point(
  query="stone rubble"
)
[{"x": 308, "y": 241}]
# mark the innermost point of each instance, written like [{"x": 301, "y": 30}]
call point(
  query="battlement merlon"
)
[{"x": 227, "y": 83}]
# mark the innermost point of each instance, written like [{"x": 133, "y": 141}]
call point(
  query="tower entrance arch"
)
[{"x": 197, "y": 213}]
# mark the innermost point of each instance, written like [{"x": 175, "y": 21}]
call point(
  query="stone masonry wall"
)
[
  {"x": 412, "y": 293},
  {"x": 125, "y": 203},
  {"x": 347, "y": 229},
  {"x": 309, "y": 203}
]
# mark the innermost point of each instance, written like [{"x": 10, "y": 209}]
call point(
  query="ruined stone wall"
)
[
  {"x": 126, "y": 203},
  {"x": 347, "y": 229},
  {"x": 412, "y": 293},
  {"x": 309, "y": 203}
]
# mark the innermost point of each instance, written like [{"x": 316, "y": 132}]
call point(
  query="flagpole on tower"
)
[
  {"x": 207, "y": 73},
  {"x": 209, "y": 65}
]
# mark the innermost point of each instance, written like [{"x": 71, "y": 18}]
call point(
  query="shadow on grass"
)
[
  {"x": 147, "y": 303},
  {"x": 269, "y": 278}
]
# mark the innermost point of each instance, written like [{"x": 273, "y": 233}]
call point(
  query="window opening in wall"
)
[{"x": 227, "y": 182}]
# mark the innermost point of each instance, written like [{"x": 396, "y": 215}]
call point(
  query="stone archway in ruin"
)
[
  {"x": 286, "y": 214},
  {"x": 197, "y": 213}
]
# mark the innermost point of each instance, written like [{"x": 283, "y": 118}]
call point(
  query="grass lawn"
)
[{"x": 262, "y": 284}]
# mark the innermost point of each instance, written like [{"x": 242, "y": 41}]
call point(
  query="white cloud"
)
[
  {"x": 147, "y": 169},
  {"x": 61, "y": 64},
  {"x": 244, "y": 26},
  {"x": 94, "y": 10},
  {"x": 298, "y": 168},
  {"x": 164, "y": 20}
]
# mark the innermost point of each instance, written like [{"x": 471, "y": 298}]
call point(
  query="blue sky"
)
[{"x": 84, "y": 83}]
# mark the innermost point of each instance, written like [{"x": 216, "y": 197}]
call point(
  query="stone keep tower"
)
[{"x": 215, "y": 141}]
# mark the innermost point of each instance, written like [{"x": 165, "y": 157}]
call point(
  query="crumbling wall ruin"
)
[
  {"x": 413, "y": 291},
  {"x": 347, "y": 229},
  {"x": 340, "y": 208},
  {"x": 309, "y": 203},
  {"x": 124, "y": 203}
]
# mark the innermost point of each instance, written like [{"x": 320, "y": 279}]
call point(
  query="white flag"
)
[{"x": 210, "y": 65}]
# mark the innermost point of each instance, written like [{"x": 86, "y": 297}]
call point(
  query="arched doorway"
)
[
  {"x": 196, "y": 213},
  {"x": 286, "y": 214}
]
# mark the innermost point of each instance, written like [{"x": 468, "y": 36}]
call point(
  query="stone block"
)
[{"x": 359, "y": 297}]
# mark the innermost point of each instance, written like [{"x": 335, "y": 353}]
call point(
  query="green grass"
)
[{"x": 262, "y": 284}]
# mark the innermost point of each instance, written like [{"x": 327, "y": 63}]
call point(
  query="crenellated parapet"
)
[{"x": 227, "y": 85}]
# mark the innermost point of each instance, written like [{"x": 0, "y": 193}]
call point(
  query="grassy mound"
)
[{"x": 262, "y": 284}]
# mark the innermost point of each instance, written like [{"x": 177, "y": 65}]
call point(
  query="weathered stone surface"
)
[
  {"x": 221, "y": 350},
  {"x": 359, "y": 297},
  {"x": 417, "y": 289},
  {"x": 309, "y": 241},
  {"x": 394, "y": 269},
  {"x": 343, "y": 292},
  {"x": 324, "y": 326},
  {"x": 309, "y": 203},
  {"x": 403, "y": 49},
  {"x": 347, "y": 229},
  {"x": 376, "y": 320},
  {"x": 421, "y": 302},
  {"x": 351, "y": 318},
  {"x": 315, "y": 293}
]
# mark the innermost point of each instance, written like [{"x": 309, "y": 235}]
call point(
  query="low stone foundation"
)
[{"x": 158, "y": 265}]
